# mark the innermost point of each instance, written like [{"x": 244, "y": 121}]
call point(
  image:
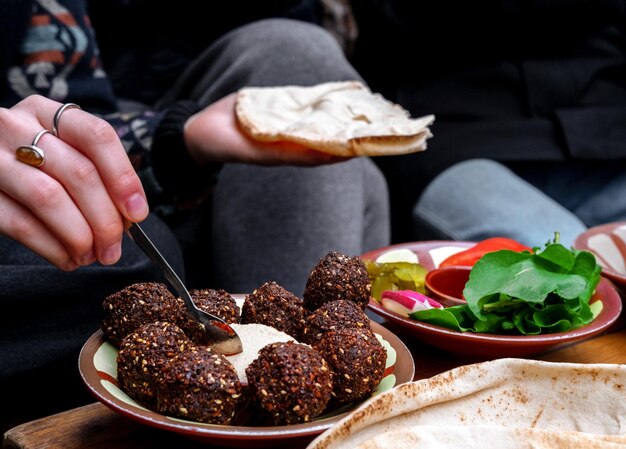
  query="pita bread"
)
[
  {"x": 515, "y": 403},
  {"x": 488, "y": 437},
  {"x": 340, "y": 118}
]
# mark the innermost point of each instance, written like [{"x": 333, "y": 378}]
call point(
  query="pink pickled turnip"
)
[{"x": 405, "y": 302}]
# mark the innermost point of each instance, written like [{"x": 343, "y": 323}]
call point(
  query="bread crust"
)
[
  {"x": 498, "y": 404},
  {"x": 340, "y": 118}
]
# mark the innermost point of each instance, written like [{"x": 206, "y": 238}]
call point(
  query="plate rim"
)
[
  {"x": 216, "y": 432},
  {"x": 581, "y": 243},
  {"x": 613, "y": 308}
]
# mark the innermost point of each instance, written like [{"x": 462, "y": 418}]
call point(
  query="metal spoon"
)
[{"x": 222, "y": 337}]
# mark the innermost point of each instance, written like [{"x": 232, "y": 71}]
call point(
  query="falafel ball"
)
[
  {"x": 142, "y": 356},
  {"x": 333, "y": 315},
  {"x": 200, "y": 385},
  {"x": 357, "y": 360},
  {"x": 337, "y": 276},
  {"x": 291, "y": 381},
  {"x": 216, "y": 302},
  {"x": 272, "y": 305},
  {"x": 144, "y": 302}
]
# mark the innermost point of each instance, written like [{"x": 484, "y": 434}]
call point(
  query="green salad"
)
[{"x": 544, "y": 291}]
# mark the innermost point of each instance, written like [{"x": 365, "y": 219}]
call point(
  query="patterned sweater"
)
[{"x": 49, "y": 48}]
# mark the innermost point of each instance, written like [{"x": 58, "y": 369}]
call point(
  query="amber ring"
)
[
  {"x": 57, "y": 116},
  {"x": 32, "y": 154}
]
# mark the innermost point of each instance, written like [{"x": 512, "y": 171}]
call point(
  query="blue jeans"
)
[{"x": 480, "y": 198}]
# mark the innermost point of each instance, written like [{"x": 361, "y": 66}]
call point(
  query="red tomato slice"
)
[{"x": 471, "y": 255}]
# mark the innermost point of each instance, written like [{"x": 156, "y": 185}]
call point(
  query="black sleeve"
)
[{"x": 181, "y": 178}]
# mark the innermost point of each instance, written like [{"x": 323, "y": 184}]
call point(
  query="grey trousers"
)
[{"x": 275, "y": 223}]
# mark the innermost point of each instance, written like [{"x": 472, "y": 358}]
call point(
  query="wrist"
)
[{"x": 192, "y": 136}]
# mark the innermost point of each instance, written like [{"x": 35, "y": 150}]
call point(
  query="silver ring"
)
[
  {"x": 31, "y": 154},
  {"x": 57, "y": 116}
]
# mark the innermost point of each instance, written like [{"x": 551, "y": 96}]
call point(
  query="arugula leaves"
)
[{"x": 524, "y": 293}]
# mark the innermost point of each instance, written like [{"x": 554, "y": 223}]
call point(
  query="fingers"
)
[
  {"x": 99, "y": 143},
  {"x": 214, "y": 135},
  {"x": 79, "y": 177},
  {"x": 20, "y": 224},
  {"x": 48, "y": 201},
  {"x": 76, "y": 202}
]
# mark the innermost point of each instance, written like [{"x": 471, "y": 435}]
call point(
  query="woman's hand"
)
[
  {"x": 213, "y": 135},
  {"x": 70, "y": 210}
]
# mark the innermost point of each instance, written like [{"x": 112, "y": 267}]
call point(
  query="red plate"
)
[
  {"x": 608, "y": 243},
  {"x": 493, "y": 345},
  {"x": 98, "y": 369}
]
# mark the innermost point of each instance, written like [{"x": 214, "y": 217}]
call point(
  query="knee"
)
[
  {"x": 465, "y": 182},
  {"x": 476, "y": 199},
  {"x": 473, "y": 170},
  {"x": 291, "y": 47},
  {"x": 288, "y": 37},
  {"x": 463, "y": 177}
]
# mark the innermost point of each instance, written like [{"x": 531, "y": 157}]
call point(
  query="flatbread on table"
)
[
  {"x": 504, "y": 404},
  {"x": 341, "y": 118}
]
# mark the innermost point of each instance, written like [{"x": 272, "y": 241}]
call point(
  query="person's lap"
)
[{"x": 278, "y": 231}]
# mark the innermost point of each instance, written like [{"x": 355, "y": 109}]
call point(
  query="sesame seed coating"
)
[
  {"x": 357, "y": 360},
  {"x": 201, "y": 385},
  {"x": 291, "y": 381},
  {"x": 272, "y": 305},
  {"x": 145, "y": 302},
  {"x": 142, "y": 356},
  {"x": 337, "y": 276},
  {"x": 216, "y": 302},
  {"x": 334, "y": 315}
]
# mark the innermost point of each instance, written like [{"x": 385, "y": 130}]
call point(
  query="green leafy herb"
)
[{"x": 525, "y": 293}]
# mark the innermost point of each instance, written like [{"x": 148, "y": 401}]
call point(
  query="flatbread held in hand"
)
[{"x": 341, "y": 118}]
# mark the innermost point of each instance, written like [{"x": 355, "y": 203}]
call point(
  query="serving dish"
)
[
  {"x": 608, "y": 243},
  {"x": 445, "y": 285},
  {"x": 490, "y": 345},
  {"x": 98, "y": 369},
  {"x": 429, "y": 253}
]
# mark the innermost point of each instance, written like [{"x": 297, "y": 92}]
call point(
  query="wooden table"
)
[{"x": 97, "y": 427}]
